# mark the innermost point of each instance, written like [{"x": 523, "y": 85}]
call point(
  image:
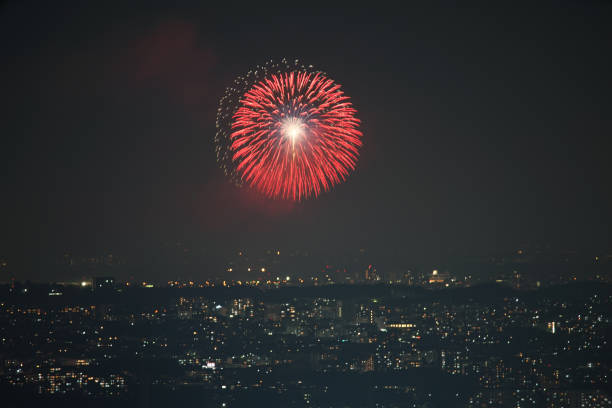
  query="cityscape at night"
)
[
  {"x": 217, "y": 205},
  {"x": 345, "y": 335}
]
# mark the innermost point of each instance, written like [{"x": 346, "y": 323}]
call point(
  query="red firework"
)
[{"x": 294, "y": 135}]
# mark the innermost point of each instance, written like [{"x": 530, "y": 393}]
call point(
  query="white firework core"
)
[{"x": 293, "y": 129}]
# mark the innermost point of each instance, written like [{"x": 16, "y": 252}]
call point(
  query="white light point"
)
[{"x": 292, "y": 128}]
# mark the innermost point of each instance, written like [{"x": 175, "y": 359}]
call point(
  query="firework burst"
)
[{"x": 287, "y": 131}]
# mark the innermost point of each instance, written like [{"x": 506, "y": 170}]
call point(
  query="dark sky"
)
[{"x": 485, "y": 128}]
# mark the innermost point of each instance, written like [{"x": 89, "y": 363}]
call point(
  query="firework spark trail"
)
[{"x": 289, "y": 134}]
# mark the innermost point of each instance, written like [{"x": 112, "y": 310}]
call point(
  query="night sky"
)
[{"x": 486, "y": 128}]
